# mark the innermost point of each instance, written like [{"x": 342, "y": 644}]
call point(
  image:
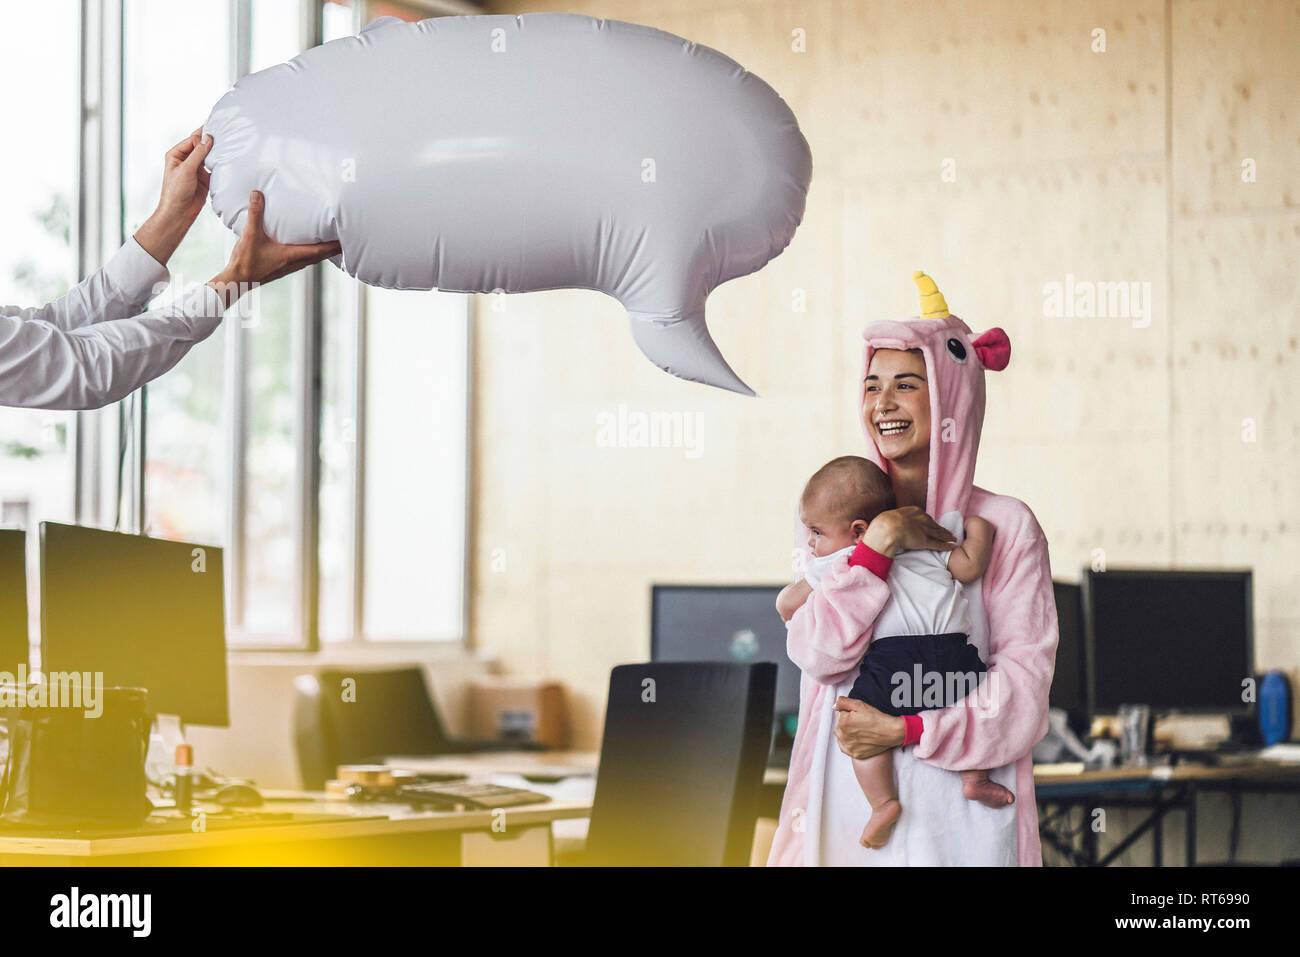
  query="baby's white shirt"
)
[
  {"x": 924, "y": 597},
  {"x": 815, "y": 567}
]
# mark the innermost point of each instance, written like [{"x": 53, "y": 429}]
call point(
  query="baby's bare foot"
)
[
  {"x": 987, "y": 791},
  {"x": 881, "y": 826}
]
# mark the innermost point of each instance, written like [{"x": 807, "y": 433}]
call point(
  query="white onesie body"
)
[{"x": 924, "y": 598}]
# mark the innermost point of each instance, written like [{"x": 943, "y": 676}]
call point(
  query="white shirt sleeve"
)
[{"x": 83, "y": 352}]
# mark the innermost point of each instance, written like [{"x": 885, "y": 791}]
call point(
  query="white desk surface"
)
[{"x": 494, "y": 764}]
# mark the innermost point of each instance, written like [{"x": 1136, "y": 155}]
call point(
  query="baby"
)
[{"x": 923, "y": 624}]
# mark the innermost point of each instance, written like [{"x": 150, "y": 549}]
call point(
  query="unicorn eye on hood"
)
[{"x": 955, "y": 363}]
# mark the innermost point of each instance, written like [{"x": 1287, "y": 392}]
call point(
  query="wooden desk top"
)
[
  {"x": 353, "y": 820},
  {"x": 585, "y": 762},
  {"x": 487, "y": 764},
  {"x": 1255, "y": 770}
]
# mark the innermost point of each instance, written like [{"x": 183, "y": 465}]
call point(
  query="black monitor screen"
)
[
  {"x": 13, "y": 600},
  {"x": 1068, "y": 691},
  {"x": 144, "y": 612},
  {"x": 724, "y": 623},
  {"x": 1172, "y": 640}
]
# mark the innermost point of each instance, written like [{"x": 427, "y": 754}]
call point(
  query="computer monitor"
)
[
  {"x": 13, "y": 600},
  {"x": 1069, "y": 689},
  {"x": 145, "y": 612},
  {"x": 1174, "y": 640},
  {"x": 724, "y": 623}
]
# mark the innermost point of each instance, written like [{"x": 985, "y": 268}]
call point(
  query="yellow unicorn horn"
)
[{"x": 933, "y": 305}]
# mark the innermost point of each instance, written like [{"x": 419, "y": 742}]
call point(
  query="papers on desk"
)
[
  {"x": 578, "y": 788},
  {"x": 1284, "y": 753}
]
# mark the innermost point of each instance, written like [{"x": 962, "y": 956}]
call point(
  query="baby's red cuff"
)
[
  {"x": 912, "y": 728},
  {"x": 870, "y": 559}
]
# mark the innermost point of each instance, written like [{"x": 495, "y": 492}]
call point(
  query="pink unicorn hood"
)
[{"x": 955, "y": 363}]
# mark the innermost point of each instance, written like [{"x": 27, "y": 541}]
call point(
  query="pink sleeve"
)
[
  {"x": 830, "y": 632},
  {"x": 1002, "y": 721}
]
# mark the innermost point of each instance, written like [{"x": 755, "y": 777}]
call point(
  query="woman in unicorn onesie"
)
[{"x": 923, "y": 380}]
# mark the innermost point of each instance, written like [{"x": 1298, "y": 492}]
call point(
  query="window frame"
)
[{"x": 99, "y": 487}]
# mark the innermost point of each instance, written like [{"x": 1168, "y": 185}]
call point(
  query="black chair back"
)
[
  {"x": 681, "y": 764},
  {"x": 379, "y": 713}
]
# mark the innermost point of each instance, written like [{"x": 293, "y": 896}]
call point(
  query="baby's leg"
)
[
  {"x": 978, "y": 786},
  {"x": 876, "y": 778}
]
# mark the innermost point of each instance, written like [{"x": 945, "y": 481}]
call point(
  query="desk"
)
[
  {"x": 509, "y": 764},
  {"x": 525, "y": 763},
  {"x": 356, "y": 834},
  {"x": 1159, "y": 790}
]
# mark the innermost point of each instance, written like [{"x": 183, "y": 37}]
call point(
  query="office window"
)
[
  {"x": 228, "y": 428},
  {"x": 414, "y": 444},
  {"x": 337, "y": 549},
  {"x": 339, "y": 462},
  {"x": 393, "y": 448},
  {"x": 186, "y": 460},
  {"x": 38, "y": 259},
  {"x": 268, "y": 525}
]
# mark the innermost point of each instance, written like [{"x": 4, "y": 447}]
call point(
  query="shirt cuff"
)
[
  {"x": 135, "y": 273},
  {"x": 199, "y": 301},
  {"x": 871, "y": 560},
  {"x": 913, "y": 729}
]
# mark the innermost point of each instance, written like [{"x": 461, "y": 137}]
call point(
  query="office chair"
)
[
  {"x": 681, "y": 764},
  {"x": 392, "y": 713}
]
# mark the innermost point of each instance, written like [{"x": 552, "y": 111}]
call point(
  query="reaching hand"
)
[
  {"x": 185, "y": 181},
  {"x": 257, "y": 258},
  {"x": 863, "y": 732},
  {"x": 908, "y": 527}
]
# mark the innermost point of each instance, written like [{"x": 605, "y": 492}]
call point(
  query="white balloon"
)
[{"x": 522, "y": 153}]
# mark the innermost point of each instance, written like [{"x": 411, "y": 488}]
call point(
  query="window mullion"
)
[
  {"x": 236, "y": 381},
  {"x": 309, "y": 307}
]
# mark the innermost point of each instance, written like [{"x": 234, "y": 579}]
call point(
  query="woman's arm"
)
[{"x": 1007, "y": 716}]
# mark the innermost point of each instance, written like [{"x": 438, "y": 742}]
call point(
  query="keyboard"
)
[
  {"x": 477, "y": 796},
  {"x": 1284, "y": 753}
]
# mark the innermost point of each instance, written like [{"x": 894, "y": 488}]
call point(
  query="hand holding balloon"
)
[
  {"x": 257, "y": 258},
  {"x": 184, "y": 191}
]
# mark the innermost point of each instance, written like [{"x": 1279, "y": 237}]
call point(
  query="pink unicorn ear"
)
[{"x": 994, "y": 349}]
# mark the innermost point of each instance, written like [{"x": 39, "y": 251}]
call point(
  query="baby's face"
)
[{"x": 826, "y": 534}]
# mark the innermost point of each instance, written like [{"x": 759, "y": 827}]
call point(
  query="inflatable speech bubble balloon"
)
[{"x": 522, "y": 153}]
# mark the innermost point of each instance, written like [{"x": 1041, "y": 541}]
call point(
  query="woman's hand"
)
[
  {"x": 908, "y": 527},
  {"x": 863, "y": 732},
  {"x": 184, "y": 191},
  {"x": 257, "y": 258}
]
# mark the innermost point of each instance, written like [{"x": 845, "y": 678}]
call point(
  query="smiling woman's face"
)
[{"x": 896, "y": 405}]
